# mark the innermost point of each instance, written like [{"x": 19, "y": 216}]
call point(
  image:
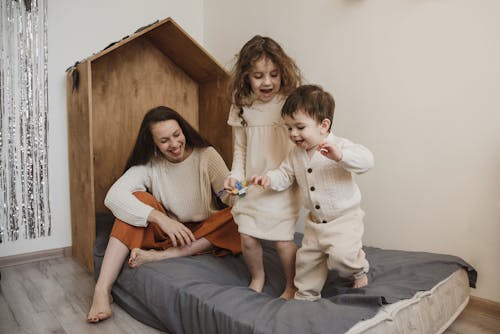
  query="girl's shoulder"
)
[{"x": 234, "y": 118}]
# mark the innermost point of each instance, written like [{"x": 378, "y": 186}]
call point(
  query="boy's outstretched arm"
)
[{"x": 263, "y": 181}]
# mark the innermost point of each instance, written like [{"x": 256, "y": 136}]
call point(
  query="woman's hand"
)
[
  {"x": 229, "y": 184},
  {"x": 178, "y": 233}
]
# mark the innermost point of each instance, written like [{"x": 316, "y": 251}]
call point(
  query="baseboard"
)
[{"x": 15, "y": 260}]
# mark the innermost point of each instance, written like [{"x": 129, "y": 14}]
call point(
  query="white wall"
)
[
  {"x": 76, "y": 30},
  {"x": 418, "y": 83}
]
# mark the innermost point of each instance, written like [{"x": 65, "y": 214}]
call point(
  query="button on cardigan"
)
[{"x": 327, "y": 187}]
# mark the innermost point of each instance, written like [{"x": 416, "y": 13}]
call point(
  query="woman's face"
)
[{"x": 169, "y": 139}]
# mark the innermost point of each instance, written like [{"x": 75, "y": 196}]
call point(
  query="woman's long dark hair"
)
[{"x": 144, "y": 147}]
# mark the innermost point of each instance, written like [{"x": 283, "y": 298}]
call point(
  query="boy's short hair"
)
[{"x": 312, "y": 100}]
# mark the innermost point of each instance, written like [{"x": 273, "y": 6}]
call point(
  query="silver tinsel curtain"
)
[{"x": 24, "y": 194}]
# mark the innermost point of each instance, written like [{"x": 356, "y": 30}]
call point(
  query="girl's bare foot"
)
[
  {"x": 288, "y": 293},
  {"x": 100, "y": 309},
  {"x": 360, "y": 281},
  {"x": 257, "y": 284}
]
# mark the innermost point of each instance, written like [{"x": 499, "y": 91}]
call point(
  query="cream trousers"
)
[{"x": 336, "y": 245}]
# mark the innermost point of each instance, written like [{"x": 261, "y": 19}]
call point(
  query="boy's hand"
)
[
  {"x": 229, "y": 184},
  {"x": 263, "y": 181},
  {"x": 330, "y": 151}
]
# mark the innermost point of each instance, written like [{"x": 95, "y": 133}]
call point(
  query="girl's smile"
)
[{"x": 265, "y": 79}]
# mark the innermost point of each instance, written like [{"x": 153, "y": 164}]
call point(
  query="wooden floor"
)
[{"x": 53, "y": 296}]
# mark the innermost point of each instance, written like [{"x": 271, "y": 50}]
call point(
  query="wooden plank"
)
[
  {"x": 176, "y": 44},
  {"x": 481, "y": 316},
  {"x": 8, "y": 323},
  {"x": 80, "y": 165},
  {"x": 184, "y": 51},
  {"x": 214, "y": 110},
  {"x": 126, "y": 84}
]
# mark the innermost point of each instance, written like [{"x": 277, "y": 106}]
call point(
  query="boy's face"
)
[
  {"x": 304, "y": 131},
  {"x": 265, "y": 79}
]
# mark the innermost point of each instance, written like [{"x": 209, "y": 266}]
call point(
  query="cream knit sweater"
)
[{"x": 186, "y": 189}]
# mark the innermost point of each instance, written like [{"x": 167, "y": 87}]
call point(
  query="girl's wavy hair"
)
[
  {"x": 145, "y": 149},
  {"x": 257, "y": 47}
]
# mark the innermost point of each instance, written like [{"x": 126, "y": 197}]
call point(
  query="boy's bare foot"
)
[
  {"x": 100, "y": 309},
  {"x": 288, "y": 293},
  {"x": 360, "y": 281}
]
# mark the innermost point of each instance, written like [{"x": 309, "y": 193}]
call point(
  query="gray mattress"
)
[{"x": 207, "y": 294}]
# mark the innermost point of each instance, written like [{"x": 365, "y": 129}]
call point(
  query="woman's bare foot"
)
[
  {"x": 289, "y": 293},
  {"x": 257, "y": 284},
  {"x": 360, "y": 281},
  {"x": 100, "y": 309},
  {"x": 140, "y": 256}
]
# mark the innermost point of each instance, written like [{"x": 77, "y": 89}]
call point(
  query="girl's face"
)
[
  {"x": 265, "y": 79},
  {"x": 169, "y": 139},
  {"x": 306, "y": 132}
]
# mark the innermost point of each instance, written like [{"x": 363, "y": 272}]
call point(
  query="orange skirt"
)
[{"x": 220, "y": 229}]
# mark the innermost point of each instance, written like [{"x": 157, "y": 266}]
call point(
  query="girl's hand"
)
[
  {"x": 178, "y": 233},
  {"x": 330, "y": 151},
  {"x": 263, "y": 181},
  {"x": 229, "y": 184}
]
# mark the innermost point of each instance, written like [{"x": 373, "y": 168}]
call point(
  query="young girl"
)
[{"x": 262, "y": 78}]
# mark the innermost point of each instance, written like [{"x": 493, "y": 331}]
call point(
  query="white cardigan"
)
[{"x": 327, "y": 187}]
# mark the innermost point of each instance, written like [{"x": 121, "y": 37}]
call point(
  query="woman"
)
[{"x": 165, "y": 203}]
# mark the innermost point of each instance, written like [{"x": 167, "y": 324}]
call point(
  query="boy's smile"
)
[{"x": 304, "y": 131}]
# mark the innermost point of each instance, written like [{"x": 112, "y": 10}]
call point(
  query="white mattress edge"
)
[
  {"x": 454, "y": 316},
  {"x": 389, "y": 312}
]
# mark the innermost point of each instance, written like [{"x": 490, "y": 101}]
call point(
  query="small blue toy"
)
[{"x": 240, "y": 189}]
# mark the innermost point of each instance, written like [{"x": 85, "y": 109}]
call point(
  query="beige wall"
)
[{"x": 418, "y": 83}]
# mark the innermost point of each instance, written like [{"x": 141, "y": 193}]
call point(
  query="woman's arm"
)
[
  {"x": 121, "y": 201},
  {"x": 218, "y": 172}
]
